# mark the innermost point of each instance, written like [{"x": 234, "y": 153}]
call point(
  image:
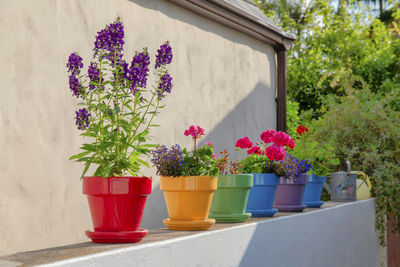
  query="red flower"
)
[
  {"x": 291, "y": 143},
  {"x": 275, "y": 152},
  {"x": 254, "y": 150},
  {"x": 281, "y": 139},
  {"x": 195, "y": 131},
  {"x": 302, "y": 129},
  {"x": 267, "y": 136},
  {"x": 244, "y": 143}
]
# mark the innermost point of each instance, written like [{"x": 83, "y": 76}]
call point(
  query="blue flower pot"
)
[
  {"x": 262, "y": 195},
  {"x": 312, "y": 193}
]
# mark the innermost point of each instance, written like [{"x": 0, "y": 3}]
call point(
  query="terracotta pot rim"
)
[
  {"x": 188, "y": 183},
  {"x": 244, "y": 181},
  {"x": 126, "y": 185},
  {"x": 199, "y": 176},
  {"x": 119, "y": 177}
]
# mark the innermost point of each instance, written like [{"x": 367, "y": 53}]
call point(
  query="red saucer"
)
[{"x": 117, "y": 237}]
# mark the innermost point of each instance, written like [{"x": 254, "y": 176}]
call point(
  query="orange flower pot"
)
[{"x": 188, "y": 201}]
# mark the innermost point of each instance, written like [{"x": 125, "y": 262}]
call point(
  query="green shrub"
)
[{"x": 365, "y": 129}]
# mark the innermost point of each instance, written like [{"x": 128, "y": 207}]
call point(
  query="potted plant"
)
[
  {"x": 293, "y": 178},
  {"x": 115, "y": 118},
  {"x": 188, "y": 180},
  {"x": 323, "y": 160},
  {"x": 261, "y": 161},
  {"x": 230, "y": 199}
]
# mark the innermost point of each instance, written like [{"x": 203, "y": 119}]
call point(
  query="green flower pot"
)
[{"x": 230, "y": 199}]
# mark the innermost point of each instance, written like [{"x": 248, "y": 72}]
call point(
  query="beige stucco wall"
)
[{"x": 223, "y": 81}]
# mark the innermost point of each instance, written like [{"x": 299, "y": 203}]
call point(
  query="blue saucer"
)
[
  {"x": 316, "y": 204},
  {"x": 262, "y": 213}
]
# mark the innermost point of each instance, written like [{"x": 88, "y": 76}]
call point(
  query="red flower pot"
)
[{"x": 116, "y": 206}]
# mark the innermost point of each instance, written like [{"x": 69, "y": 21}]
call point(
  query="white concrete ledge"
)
[{"x": 340, "y": 234}]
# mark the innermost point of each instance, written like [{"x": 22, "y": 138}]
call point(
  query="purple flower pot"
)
[{"x": 289, "y": 194}]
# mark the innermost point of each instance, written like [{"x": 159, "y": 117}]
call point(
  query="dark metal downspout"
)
[{"x": 281, "y": 94}]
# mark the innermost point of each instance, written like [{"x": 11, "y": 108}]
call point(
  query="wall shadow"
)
[
  {"x": 155, "y": 208},
  {"x": 253, "y": 115}
]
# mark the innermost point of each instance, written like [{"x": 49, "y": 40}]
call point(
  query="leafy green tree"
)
[{"x": 333, "y": 49}]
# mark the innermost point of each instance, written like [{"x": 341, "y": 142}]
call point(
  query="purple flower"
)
[
  {"x": 165, "y": 85},
  {"x": 82, "y": 118},
  {"x": 164, "y": 55},
  {"x": 75, "y": 86},
  {"x": 74, "y": 63},
  {"x": 138, "y": 71},
  {"x": 110, "y": 39},
  {"x": 94, "y": 75},
  {"x": 168, "y": 161}
]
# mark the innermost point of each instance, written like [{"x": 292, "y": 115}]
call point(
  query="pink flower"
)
[
  {"x": 214, "y": 156},
  {"x": 291, "y": 143},
  {"x": 195, "y": 131},
  {"x": 210, "y": 144},
  {"x": 267, "y": 136},
  {"x": 281, "y": 139},
  {"x": 275, "y": 152},
  {"x": 254, "y": 150},
  {"x": 244, "y": 143}
]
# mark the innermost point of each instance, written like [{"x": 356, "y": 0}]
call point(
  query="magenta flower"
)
[
  {"x": 254, "y": 150},
  {"x": 244, "y": 143},
  {"x": 267, "y": 136},
  {"x": 195, "y": 131},
  {"x": 275, "y": 152},
  {"x": 210, "y": 144},
  {"x": 281, "y": 139}
]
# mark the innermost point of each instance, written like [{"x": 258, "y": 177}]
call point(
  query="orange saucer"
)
[{"x": 189, "y": 225}]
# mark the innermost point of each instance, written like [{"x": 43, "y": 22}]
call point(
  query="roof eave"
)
[{"x": 233, "y": 17}]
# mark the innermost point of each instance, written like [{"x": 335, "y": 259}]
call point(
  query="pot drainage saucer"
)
[
  {"x": 289, "y": 208},
  {"x": 314, "y": 204},
  {"x": 262, "y": 213},
  {"x": 230, "y": 218},
  {"x": 117, "y": 237},
  {"x": 189, "y": 225}
]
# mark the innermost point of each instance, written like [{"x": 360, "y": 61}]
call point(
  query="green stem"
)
[{"x": 195, "y": 150}]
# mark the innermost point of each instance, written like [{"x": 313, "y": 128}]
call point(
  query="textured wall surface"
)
[
  {"x": 223, "y": 80},
  {"x": 341, "y": 236}
]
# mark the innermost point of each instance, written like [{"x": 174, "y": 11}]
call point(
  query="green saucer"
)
[{"x": 229, "y": 218}]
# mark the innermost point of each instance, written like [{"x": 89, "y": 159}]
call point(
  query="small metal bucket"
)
[{"x": 343, "y": 185}]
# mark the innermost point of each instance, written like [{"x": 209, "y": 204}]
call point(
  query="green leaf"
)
[
  {"x": 77, "y": 156},
  {"x": 143, "y": 163}
]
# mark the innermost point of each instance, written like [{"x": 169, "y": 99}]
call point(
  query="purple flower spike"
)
[
  {"x": 75, "y": 86},
  {"x": 94, "y": 75},
  {"x": 165, "y": 85},
  {"x": 164, "y": 55},
  {"x": 82, "y": 118},
  {"x": 110, "y": 39},
  {"x": 138, "y": 71},
  {"x": 74, "y": 63}
]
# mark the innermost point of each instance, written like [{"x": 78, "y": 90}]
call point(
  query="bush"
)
[{"x": 365, "y": 129}]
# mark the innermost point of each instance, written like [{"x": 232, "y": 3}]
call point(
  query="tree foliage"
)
[{"x": 335, "y": 48}]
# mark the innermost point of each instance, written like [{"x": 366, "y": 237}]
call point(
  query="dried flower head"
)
[
  {"x": 226, "y": 166},
  {"x": 165, "y": 85},
  {"x": 82, "y": 118}
]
